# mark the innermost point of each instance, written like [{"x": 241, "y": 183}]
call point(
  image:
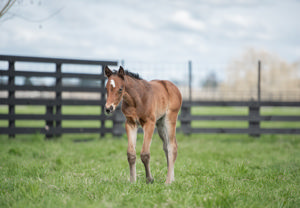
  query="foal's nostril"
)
[{"x": 107, "y": 110}]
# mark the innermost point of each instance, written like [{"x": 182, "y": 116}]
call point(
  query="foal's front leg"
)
[
  {"x": 131, "y": 129},
  {"x": 145, "y": 153}
]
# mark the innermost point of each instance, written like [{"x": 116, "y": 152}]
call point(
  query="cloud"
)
[
  {"x": 233, "y": 3},
  {"x": 209, "y": 31},
  {"x": 185, "y": 20},
  {"x": 240, "y": 20}
]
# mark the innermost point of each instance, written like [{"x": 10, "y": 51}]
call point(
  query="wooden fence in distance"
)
[
  {"x": 253, "y": 118},
  {"x": 53, "y": 117}
]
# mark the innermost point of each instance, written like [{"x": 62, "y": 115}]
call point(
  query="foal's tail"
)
[{"x": 175, "y": 97}]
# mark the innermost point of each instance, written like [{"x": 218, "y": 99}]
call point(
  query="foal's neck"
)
[{"x": 134, "y": 90}]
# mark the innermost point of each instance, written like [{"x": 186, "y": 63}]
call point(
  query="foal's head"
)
[{"x": 115, "y": 88}]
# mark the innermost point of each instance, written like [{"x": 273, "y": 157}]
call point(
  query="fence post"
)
[
  {"x": 258, "y": 82},
  {"x": 185, "y": 118},
  {"x": 11, "y": 98},
  {"x": 118, "y": 120},
  {"x": 49, "y": 121},
  {"x": 58, "y": 100},
  {"x": 254, "y": 123},
  {"x": 254, "y": 108},
  {"x": 103, "y": 91},
  {"x": 190, "y": 81}
]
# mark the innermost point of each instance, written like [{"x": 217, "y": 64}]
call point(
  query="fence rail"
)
[
  {"x": 53, "y": 117},
  {"x": 253, "y": 118}
]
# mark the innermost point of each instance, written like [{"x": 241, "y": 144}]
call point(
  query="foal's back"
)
[{"x": 166, "y": 95}]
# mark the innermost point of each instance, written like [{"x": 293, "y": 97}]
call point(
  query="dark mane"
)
[
  {"x": 133, "y": 75},
  {"x": 128, "y": 73}
]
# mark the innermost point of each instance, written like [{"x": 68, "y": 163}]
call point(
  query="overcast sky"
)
[{"x": 212, "y": 31}]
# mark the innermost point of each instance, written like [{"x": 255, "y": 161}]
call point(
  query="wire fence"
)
[{"x": 233, "y": 81}]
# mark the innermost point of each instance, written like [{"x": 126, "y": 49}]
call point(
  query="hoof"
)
[
  {"x": 168, "y": 182},
  {"x": 150, "y": 180}
]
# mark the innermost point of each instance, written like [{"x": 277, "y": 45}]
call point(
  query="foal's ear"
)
[
  {"x": 107, "y": 71},
  {"x": 121, "y": 72}
]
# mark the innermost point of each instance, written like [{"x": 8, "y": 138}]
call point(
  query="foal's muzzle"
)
[{"x": 109, "y": 110}]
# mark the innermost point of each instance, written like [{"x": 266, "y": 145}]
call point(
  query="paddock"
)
[
  {"x": 230, "y": 153},
  {"x": 212, "y": 170}
]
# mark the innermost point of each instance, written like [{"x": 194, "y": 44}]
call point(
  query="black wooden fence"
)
[
  {"x": 53, "y": 117},
  {"x": 253, "y": 118}
]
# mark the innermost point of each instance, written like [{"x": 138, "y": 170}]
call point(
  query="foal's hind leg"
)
[
  {"x": 145, "y": 153},
  {"x": 163, "y": 134},
  {"x": 170, "y": 123}
]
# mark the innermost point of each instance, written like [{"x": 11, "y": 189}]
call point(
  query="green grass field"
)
[{"x": 210, "y": 171}]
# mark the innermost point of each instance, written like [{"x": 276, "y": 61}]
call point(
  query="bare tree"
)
[
  {"x": 6, "y": 7},
  {"x": 279, "y": 79}
]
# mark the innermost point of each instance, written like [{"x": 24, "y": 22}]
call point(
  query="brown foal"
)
[{"x": 149, "y": 104}]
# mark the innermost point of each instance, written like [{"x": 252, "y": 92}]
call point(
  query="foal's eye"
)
[{"x": 120, "y": 90}]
